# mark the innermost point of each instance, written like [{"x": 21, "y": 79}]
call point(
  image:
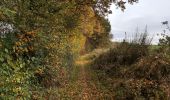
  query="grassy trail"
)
[
  {"x": 91, "y": 89},
  {"x": 83, "y": 84}
]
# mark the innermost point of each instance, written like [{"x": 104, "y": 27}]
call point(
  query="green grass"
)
[{"x": 152, "y": 48}]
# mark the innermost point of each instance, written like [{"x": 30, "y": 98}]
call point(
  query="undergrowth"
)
[{"x": 132, "y": 71}]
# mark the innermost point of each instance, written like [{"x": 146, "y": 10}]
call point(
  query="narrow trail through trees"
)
[
  {"x": 83, "y": 83},
  {"x": 84, "y": 78},
  {"x": 90, "y": 89}
]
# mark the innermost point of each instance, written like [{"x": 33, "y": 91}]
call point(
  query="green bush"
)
[
  {"x": 32, "y": 62},
  {"x": 17, "y": 70}
]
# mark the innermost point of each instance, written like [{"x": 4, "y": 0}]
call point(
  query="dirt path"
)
[
  {"x": 84, "y": 80},
  {"x": 89, "y": 89},
  {"x": 82, "y": 85}
]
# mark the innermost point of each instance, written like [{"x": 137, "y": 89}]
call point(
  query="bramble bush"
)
[{"x": 137, "y": 72}]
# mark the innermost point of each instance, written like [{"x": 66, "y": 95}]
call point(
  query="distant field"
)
[{"x": 154, "y": 46}]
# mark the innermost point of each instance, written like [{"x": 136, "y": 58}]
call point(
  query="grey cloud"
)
[{"x": 146, "y": 12}]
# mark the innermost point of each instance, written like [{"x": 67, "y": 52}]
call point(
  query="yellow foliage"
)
[
  {"x": 21, "y": 46},
  {"x": 77, "y": 42},
  {"x": 88, "y": 25}
]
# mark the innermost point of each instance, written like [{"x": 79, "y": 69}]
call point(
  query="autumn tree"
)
[{"x": 44, "y": 40}]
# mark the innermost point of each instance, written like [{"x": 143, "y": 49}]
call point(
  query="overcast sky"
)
[{"x": 146, "y": 12}]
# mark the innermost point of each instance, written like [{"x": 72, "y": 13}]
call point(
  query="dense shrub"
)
[
  {"x": 123, "y": 55},
  {"x": 134, "y": 71},
  {"x": 35, "y": 54},
  {"x": 29, "y": 64},
  {"x": 146, "y": 78},
  {"x": 143, "y": 89},
  {"x": 155, "y": 67},
  {"x": 17, "y": 73},
  {"x": 164, "y": 44}
]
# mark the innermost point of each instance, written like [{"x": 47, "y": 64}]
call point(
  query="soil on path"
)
[{"x": 90, "y": 90}]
